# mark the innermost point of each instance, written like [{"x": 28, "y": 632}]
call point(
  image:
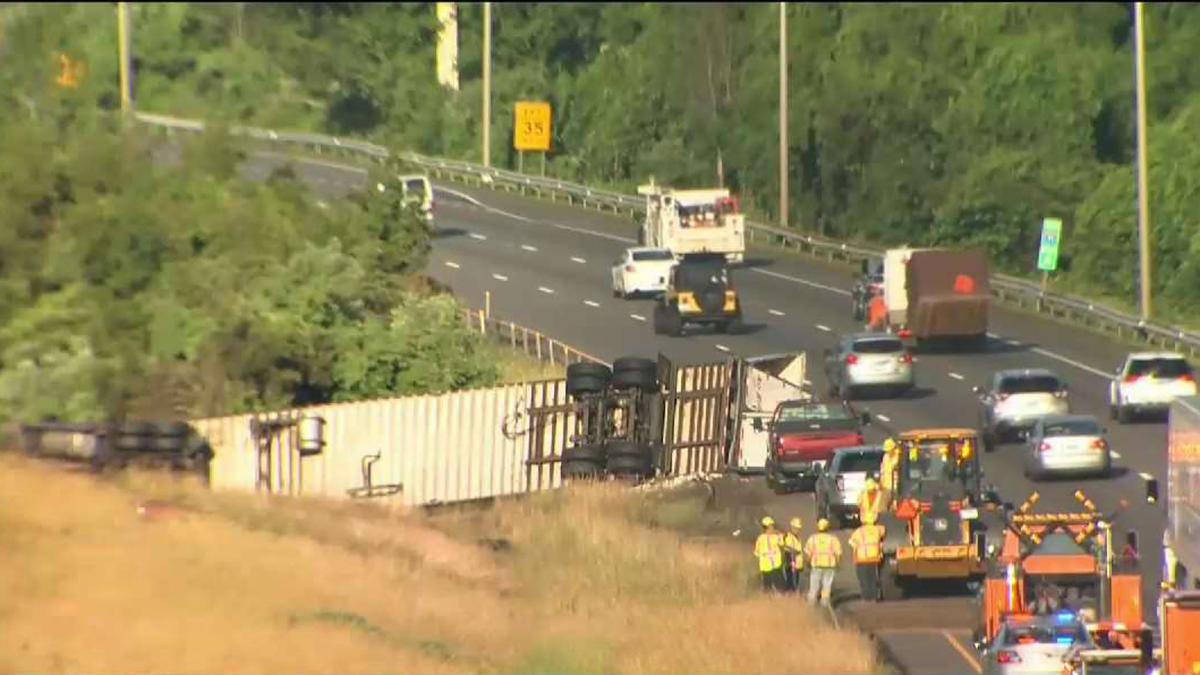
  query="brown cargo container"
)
[{"x": 948, "y": 294}]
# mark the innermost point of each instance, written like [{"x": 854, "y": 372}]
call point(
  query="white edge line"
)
[
  {"x": 527, "y": 247},
  {"x": 1115, "y": 455},
  {"x": 956, "y": 376},
  {"x": 823, "y": 327},
  {"x": 722, "y": 348},
  {"x": 500, "y": 277},
  {"x": 546, "y": 290},
  {"x": 637, "y": 317},
  {"x": 806, "y": 282},
  {"x": 480, "y": 237},
  {"x": 775, "y": 312},
  {"x": 309, "y": 160},
  {"x": 1070, "y": 362},
  {"x": 461, "y": 195},
  {"x": 452, "y": 264},
  {"x": 581, "y": 261},
  {"x": 885, "y": 418},
  {"x": 591, "y": 303}
]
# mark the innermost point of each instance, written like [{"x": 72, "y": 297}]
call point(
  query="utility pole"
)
[
  {"x": 487, "y": 84},
  {"x": 123, "y": 54},
  {"x": 783, "y": 117},
  {"x": 1143, "y": 168}
]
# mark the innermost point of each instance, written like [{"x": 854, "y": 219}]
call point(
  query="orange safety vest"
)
[
  {"x": 823, "y": 550},
  {"x": 877, "y": 313},
  {"x": 867, "y": 542},
  {"x": 869, "y": 502},
  {"x": 792, "y": 543},
  {"x": 768, "y": 547}
]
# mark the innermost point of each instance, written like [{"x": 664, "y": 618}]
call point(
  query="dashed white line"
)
[
  {"x": 722, "y": 348},
  {"x": 480, "y": 237},
  {"x": 637, "y": 317},
  {"x": 1146, "y": 476},
  {"x": 885, "y": 418},
  {"x": 546, "y": 290},
  {"x": 527, "y": 247},
  {"x": 452, "y": 264},
  {"x": 775, "y": 312},
  {"x": 823, "y": 328},
  {"x": 956, "y": 376},
  {"x": 1115, "y": 455},
  {"x": 591, "y": 303},
  {"x": 806, "y": 282},
  {"x": 499, "y": 277},
  {"x": 581, "y": 261}
]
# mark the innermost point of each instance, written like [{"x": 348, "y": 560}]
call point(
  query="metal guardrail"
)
[
  {"x": 528, "y": 341},
  {"x": 1021, "y": 292}
]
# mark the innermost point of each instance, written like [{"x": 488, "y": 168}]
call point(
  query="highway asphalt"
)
[{"x": 548, "y": 265}]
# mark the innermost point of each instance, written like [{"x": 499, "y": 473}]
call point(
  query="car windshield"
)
[
  {"x": 1072, "y": 428},
  {"x": 1164, "y": 368},
  {"x": 878, "y": 346},
  {"x": 1067, "y": 634},
  {"x": 860, "y": 462},
  {"x": 934, "y": 461},
  {"x": 1030, "y": 384},
  {"x": 652, "y": 255},
  {"x": 815, "y": 417}
]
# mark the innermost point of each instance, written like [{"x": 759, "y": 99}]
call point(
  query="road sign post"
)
[
  {"x": 1047, "y": 260},
  {"x": 531, "y": 130}
]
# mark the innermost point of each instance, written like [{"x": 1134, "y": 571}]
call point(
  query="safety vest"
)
[
  {"x": 869, "y": 502},
  {"x": 823, "y": 550},
  {"x": 867, "y": 542},
  {"x": 877, "y": 317},
  {"x": 887, "y": 472},
  {"x": 792, "y": 543},
  {"x": 769, "y": 550}
]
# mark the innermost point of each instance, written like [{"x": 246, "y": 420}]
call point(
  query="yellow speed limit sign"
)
[{"x": 531, "y": 128}]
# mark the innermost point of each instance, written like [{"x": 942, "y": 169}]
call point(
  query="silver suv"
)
[
  {"x": 1147, "y": 383},
  {"x": 1015, "y": 400},
  {"x": 875, "y": 360},
  {"x": 841, "y": 483}
]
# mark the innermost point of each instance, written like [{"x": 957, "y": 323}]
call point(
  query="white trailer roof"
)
[{"x": 699, "y": 197}]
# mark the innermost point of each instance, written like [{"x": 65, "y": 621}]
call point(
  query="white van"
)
[{"x": 418, "y": 191}]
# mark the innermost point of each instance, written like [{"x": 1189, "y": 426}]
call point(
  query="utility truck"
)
[
  {"x": 935, "y": 294},
  {"x": 693, "y": 221}
]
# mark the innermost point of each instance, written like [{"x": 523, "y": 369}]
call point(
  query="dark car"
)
[
  {"x": 867, "y": 285},
  {"x": 699, "y": 291},
  {"x": 802, "y": 437}
]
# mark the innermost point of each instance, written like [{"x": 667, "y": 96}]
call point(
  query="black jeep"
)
[{"x": 699, "y": 291}]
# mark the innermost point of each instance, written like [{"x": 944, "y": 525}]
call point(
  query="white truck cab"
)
[
  {"x": 693, "y": 221},
  {"x": 419, "y": 192}
]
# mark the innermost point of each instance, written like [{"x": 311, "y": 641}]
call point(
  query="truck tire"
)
[
  {"x": 635, "y": 379},
  {"x": 626, "y": 449},
  {"x": 636, "y": 363},
  {"x": 583, "y": 385},
  {"x": 734, "y": 326},
  {"x": 589, "y": 369},
  {"x": 1124, "y": 416},
  {"x": 629, "y": 465},
  {"x": 667, "y": 321},
  {"x": 591, "y": 452},
  {"x": 577, "y": 469}
]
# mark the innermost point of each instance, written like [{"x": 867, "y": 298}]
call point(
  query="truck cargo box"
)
[{"x": 948, "y": 293}]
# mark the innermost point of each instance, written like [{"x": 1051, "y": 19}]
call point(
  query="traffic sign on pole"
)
[
  {"x": 532, "y": 126},
  {"x": 1048, "y": 252}
]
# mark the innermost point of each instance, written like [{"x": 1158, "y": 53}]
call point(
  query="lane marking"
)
[
  {"x": 480, "y": 237},
  {"x": 637, "y": 317},
  {"x": 775, "y": 312},
  {"x": 956, "y": 376},
  {"x": 308, "y": 160},
  {"x": 967, "y": 656},
  {"x": 452, "y": 264},
  {"x": 499, "y": 277},
  {"x": 589, "y": 303},
  {"x": 1071, "y": 362},
  {"x": 885, "y": 418},
  {"x": 1015, "y": 343},
  {"x": 1115, "y": 455},
  {"x": 558, "y": 226},
  {"x": 806, "y": 282},
  {"x": 1146, "y": 476},
  {"x": 581, "y": 261},
  {"x": 546, "y": 290},
  {"x": 722, "y": 348},
  {"x": 823, "y": 328},
  {"x": 527, "y": 247}
]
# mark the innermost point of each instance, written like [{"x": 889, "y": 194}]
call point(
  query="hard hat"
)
[
  {"x": 871, "y": 485},
  {"x": 768, "y": 521},
  {"x": 796, "y": 524},
  {"x": 822, "y": 525},
  {"x": 868, "y": 517},
  {"x": 889, "y": 445}
]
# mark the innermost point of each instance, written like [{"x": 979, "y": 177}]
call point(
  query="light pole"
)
[
  {"x": 783, "y": 117},
  {"x": 1143, "y": 169},
  {"x": 487, "y": 84},
  {"x": 123, "y": 55}
]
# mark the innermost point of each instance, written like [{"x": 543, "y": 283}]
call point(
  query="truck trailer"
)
[
  {"x": 935, "y": 294},
  {"x": 693, "y": 221}
]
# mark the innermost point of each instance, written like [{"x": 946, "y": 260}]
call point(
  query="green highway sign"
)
[{"x": 1048, "y": 253}]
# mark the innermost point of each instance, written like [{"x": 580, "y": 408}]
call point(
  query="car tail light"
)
[
  {"x": 1099, "y": 444},
  {"x": 1007, "y": 656},
  {"x": 1044, "y": 447},
  {"x": 905, "y": 333},
  {"x": 629, "y": 268},
  {"x": 1132, "y": 378},
  {"x": 1187, "y": 378},
  {"x": 851, "y": 360},
  {"x": 907, "y": 358}
]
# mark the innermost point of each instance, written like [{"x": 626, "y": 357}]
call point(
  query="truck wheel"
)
[
  {"x": 734, "y": 325},
  {"x": 626, "y": 363},
  {"x": 989, "y": 441},
  {"x": 582, "y": 385},
  {"x": 1124, "y": 416},
  {"x": 673, "y": 322},
  {"x": 635, "y": 379}
]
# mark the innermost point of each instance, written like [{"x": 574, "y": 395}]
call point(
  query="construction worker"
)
[
  {"x": 867, "y": 544},
  {"x": 877, "y": 314},
  {"x": 870, "y": 499},
  {"x": 793, "y": 558},
  {"x": 824, "y": 552},
  {"x": 887, "y": 470},
  {"x": 768, "y": 548}
]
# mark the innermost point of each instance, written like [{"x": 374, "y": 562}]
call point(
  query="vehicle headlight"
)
[{"x": 991, "y": 549}]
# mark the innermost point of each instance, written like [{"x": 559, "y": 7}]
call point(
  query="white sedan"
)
[
  {"x": 641, "y": 270},
  {"x": 1148, "y": 382}
]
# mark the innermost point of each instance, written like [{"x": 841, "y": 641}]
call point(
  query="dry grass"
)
[
  {"x": 516, "y": 367},
  {"x": 240, "y": 584}
]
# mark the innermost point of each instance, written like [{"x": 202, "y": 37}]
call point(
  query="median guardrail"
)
[{"x": 1021, "y": 292}]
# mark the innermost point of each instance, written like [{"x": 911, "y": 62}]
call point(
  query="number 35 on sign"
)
[{"x": 531, "y": 129}]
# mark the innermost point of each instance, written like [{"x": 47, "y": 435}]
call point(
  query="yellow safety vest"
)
[
  {"x": 769, "y": 550},
  {"x": 887, "y": 471},
  {"x": 867, "y": 542},
  {"x": 869, "y": 502},
  {"x": 823, "y": 550},
  {"x": 792, "y": 543}
]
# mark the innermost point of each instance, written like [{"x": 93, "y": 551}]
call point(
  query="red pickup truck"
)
[{"x": 802, "y": 438}]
